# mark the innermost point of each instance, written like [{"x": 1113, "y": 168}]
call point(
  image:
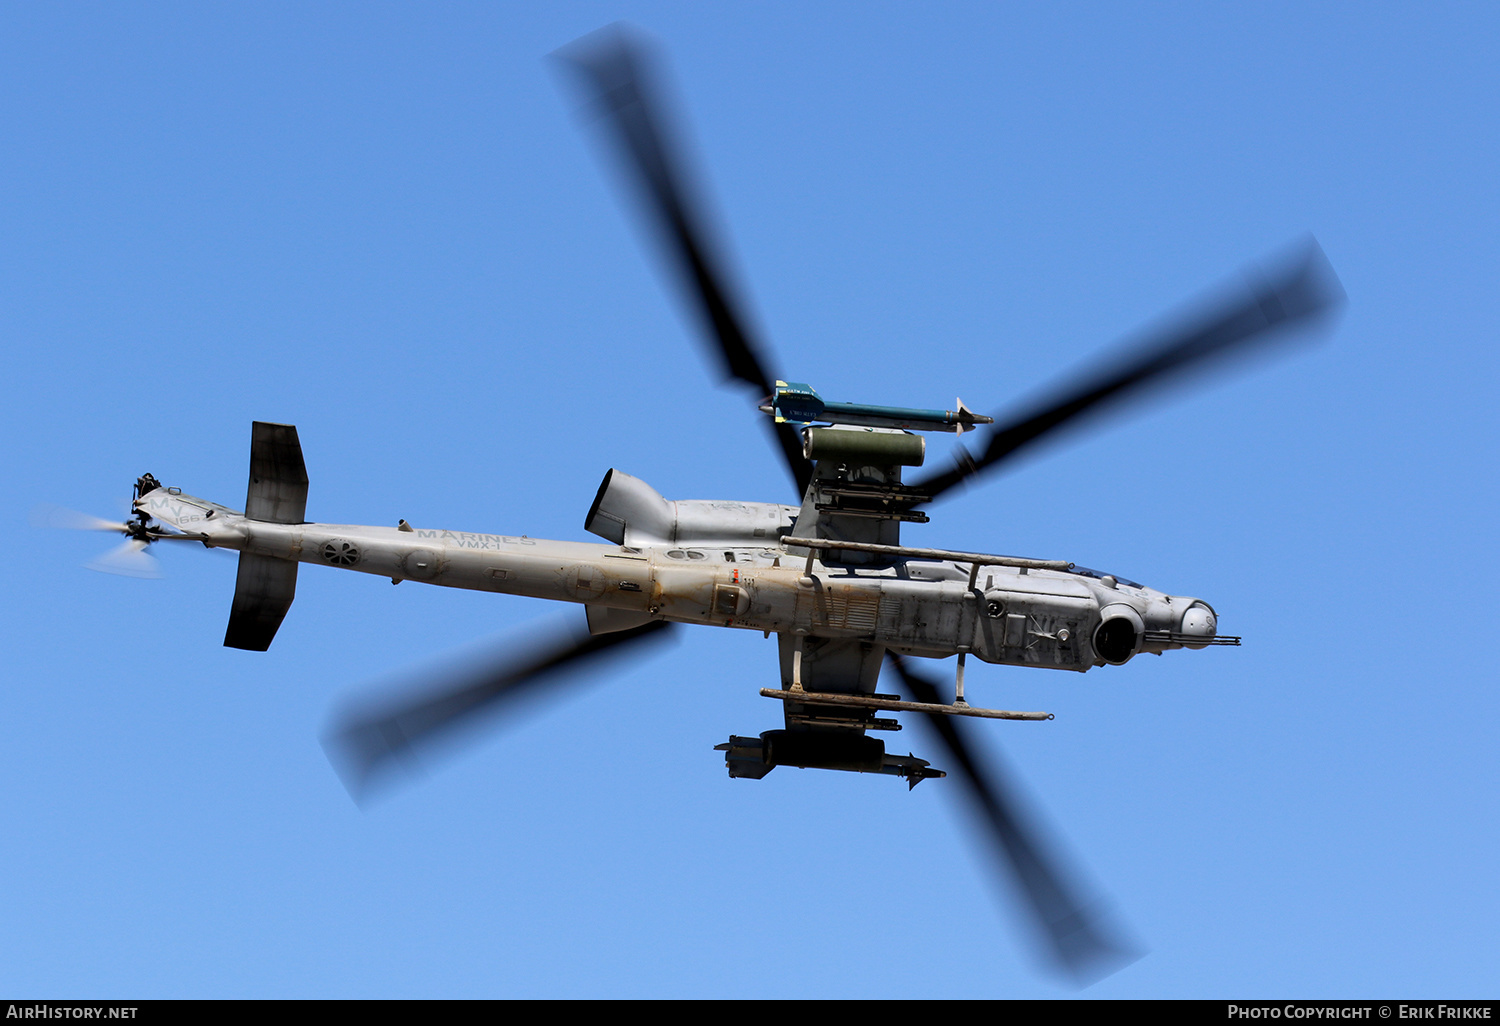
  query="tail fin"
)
[
  {"x": 278, "y": 477},
  {"x": 263, "y": 592},
  {"x": 266, "y": 585}
]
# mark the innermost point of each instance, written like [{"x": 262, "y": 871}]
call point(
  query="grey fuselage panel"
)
[{"x": 915, "y": 607}]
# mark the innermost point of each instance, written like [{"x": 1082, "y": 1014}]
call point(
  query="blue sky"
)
[{"x": 386, "y": 225}]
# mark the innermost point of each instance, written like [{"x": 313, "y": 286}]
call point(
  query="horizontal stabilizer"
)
[
  {"x": 263, "y": 592},
  {"x": 278, "y": 477}
]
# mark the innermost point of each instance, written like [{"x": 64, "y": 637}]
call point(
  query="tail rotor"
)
[{"x": 129, "y": 559}]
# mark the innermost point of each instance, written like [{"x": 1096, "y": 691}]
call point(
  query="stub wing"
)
[
  {"x": 835, "y": 666},
  {"x": 824, "y": 735}
]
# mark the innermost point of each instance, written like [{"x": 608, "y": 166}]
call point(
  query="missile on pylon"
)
[{"x": 799, "y": 403}]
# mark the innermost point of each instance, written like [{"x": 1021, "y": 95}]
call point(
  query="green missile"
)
[{"x": 800, "y": 403}]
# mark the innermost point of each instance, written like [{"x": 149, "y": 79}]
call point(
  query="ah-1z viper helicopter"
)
[{"x": 830, "y": 577}]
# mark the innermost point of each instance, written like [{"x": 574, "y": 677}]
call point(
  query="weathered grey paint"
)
[{"x": 1015, "y": 615}]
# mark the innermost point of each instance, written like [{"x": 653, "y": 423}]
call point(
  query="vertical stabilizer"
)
[
  {"x": 278, "y": 477},
  {"x": 266, "y": 585},
  {"x": 263, "y": 592}
]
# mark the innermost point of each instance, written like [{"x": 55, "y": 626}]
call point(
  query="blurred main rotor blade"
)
[
  {"x": 1302, "y": 291},
  {"x": 619, "y": 85},
  {"x": 371, "y": 738},
  {"x": 128, "y": 560},
  {"x": 1077, "y": 936}
]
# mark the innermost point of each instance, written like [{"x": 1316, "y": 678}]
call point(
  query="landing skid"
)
[{"x": 892, "y": 704}]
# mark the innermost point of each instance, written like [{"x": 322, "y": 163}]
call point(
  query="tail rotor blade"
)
[
  {"x": 1299, "y": 294},
  {"x": 619, "y": 85},
  {"x": 370, "y": 739},
  {"x": 1077, "y": 937},
  {"x": 49, "y": 516},
  {"x": 128, "y": 560}
]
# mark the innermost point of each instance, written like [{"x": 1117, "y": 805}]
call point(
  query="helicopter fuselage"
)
[{"x": 924, "y": 607}]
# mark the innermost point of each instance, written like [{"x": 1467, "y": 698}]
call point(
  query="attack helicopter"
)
[{"x": 829, "y": 575}]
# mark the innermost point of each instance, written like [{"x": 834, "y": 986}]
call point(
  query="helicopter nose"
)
[{"x": 1199, "y": 621}]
